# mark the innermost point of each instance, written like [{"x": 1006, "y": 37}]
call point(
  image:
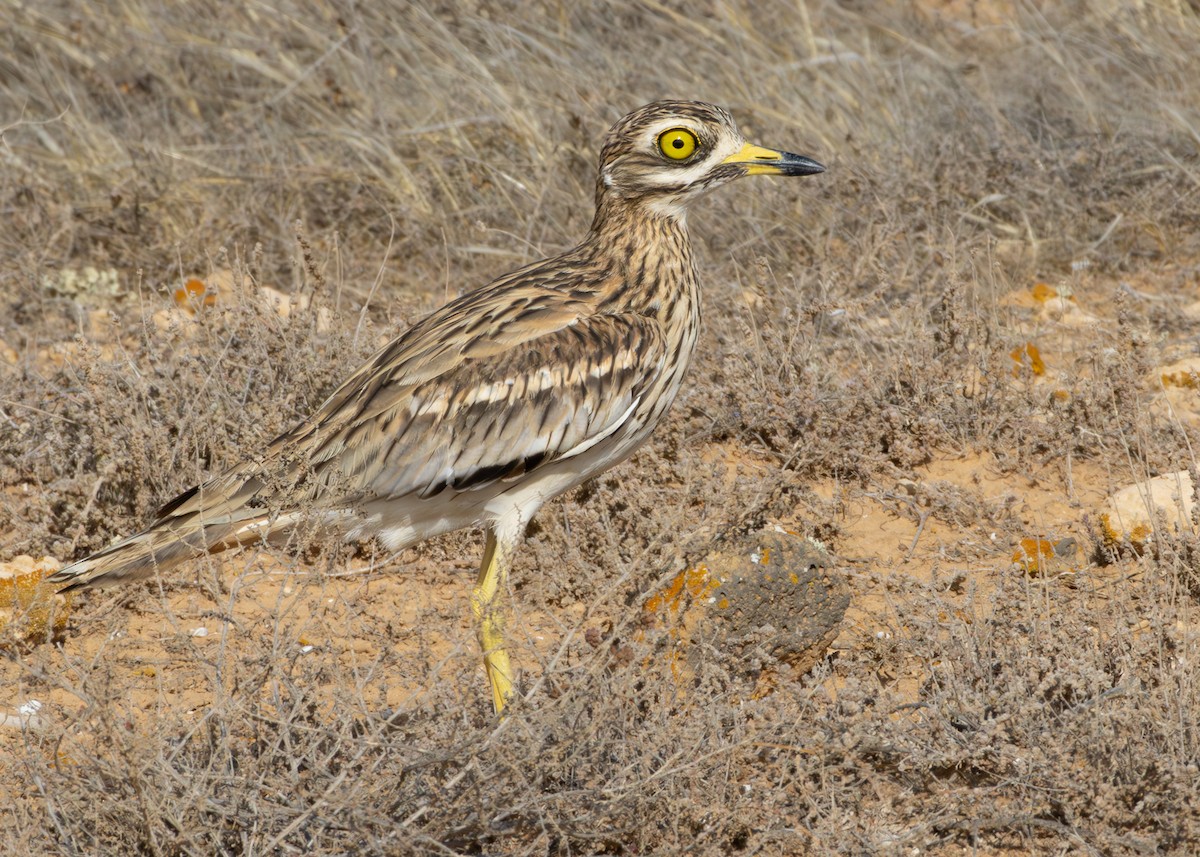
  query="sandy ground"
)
[{"x": 400, "y": 627}]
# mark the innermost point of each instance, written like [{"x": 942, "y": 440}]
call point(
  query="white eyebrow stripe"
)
[{"x": 726, "y": 145}]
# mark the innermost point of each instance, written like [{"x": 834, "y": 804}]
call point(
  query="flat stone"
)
[
  {"x": 768, "y": 607},
  {"x": 780, "y": 602},
  {"x": 1134, "y": 513}
]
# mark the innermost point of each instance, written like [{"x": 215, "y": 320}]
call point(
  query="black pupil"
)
[{"x": 677, "y": 142}]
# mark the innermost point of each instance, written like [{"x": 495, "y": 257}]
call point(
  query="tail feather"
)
[
  {"x": 159, "y": 548},
  {"x": 205, "y": 519},
  {"x": 235, "y": 508}
]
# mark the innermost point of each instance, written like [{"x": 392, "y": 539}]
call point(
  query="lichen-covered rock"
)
[
  {"x": 1039, "y": 557},
  {"x": 1132, "y": 514},
  {"x": 31, "y": 611},
  {"x": 768, "y": 606}
]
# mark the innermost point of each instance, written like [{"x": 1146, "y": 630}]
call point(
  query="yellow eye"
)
[{"x": 677, "y": 144}]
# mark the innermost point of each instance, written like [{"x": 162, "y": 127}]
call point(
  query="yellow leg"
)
[{"x": 486, "y": 604}]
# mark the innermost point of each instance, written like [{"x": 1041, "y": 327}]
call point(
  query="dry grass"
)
[{"x": 383, "y": 157}]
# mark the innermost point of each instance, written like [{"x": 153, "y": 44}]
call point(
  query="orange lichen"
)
[
  {"x": 693, "y": 583},
  {"x": 1028, "y": 355},
  {"x": 1186, "y": 379},
  {"x": 1042, "y": 556},
  {"x": 30, "y": 610},
  {"x": 674, "y": 604},
  {"x": 1111, "y": 534},
  {"x": 1032, "y": 554},
  {"x": 1113, "y": 537},
  {"x": 1043, "y": 292},
  {"x": 194, "y": 293}
]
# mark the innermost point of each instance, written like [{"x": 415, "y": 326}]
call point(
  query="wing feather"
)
[
  {"x": 487, "y": 415},
  {"x": 508, "y": 414},
  {"x": 497, "y": 384}
]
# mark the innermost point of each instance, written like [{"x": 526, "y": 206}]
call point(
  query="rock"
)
[
  {"x": 220, "y": 288},
  {"x": 1182, "y": 374},
  {"x": 1069, "y": 315},
  {"x": 1178, "y": 385},
  {"x": 31, "y": 612},
  {"x": 85, "y": 282},
  {"x": 282, "y": 302},
  {"x": 1028, "y": 361},
  {"x": 285, "y": 304},
  {"x": 1132, "y": 514},
  {"x": 1055, "y": 304},
  {"x": 24, "y": 718},
  {"x": 194, "y": 295},
  {"x": 770, "y": 605},
  {"x": 1044, "y": 558}
]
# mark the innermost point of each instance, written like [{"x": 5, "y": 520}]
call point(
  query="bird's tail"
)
[
  {"x": 206, "y": 519},
  {"x": 159, "y": 548}
]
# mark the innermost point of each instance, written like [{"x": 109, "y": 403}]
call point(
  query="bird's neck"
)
[{"x": 647, "y": 251}]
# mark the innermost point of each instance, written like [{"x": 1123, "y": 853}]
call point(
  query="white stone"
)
[{"x": 1133, "y": 512}]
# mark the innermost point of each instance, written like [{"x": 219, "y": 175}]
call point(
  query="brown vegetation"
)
[{"x": 947, "y": 348}]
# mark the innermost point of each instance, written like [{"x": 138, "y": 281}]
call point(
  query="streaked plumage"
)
[{"x": 500, "y": 400}]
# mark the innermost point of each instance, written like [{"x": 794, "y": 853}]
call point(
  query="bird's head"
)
[{"x": 665, "y": 154}]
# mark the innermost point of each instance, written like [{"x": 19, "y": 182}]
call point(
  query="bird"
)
[{"x": 502, "y": 399}]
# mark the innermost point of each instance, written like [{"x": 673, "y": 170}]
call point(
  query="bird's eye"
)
[{"x": 677, "y": 144}]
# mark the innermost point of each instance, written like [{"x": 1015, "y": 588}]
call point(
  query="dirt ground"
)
[{"x": 939, "y": 360}]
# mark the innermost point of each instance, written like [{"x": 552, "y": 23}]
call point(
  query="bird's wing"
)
[
  {"x": 461, "y": 400},
  {"x": 456, "y": 403},
  {"x": 499, "y": 412}
]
